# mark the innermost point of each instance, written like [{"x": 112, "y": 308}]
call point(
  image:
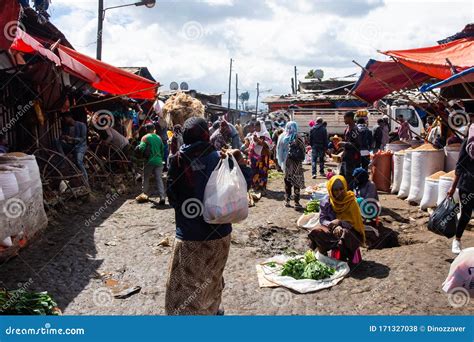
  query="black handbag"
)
[
  {"x": 296, "y": 152},
  {"x": 444, "y": 219}
]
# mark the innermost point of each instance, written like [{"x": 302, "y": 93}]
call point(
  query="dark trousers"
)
[
  {"x": 467, "y": 205},
  {"x": 364, "y": 162},
  {"x": 288, "y": 187},
  {"x": 317, "y": 155}
]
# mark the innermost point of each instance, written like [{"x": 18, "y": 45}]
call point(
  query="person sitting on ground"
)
[
  {"x": 364, "y": 187},
  {"x": 73, "y": 140},
  {"x": 153, "y": 149},
  {"x": 341, "y": 226}
]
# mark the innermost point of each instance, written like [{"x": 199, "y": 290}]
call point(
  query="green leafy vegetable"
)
[
  {"x": 20, "y": 302},
  {"x": 307, "y": 268},
  {"x": 312, "y": 207}
]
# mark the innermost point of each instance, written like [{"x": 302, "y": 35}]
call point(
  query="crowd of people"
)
[{"x": 190, "y": 153}]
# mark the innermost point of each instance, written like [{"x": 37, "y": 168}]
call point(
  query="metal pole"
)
[
  {"x": 292, "y": 85},
  {"x": 236, "y": 91},
  {"x": 256, "y": 105},
  {"x": 230, "y": 84},
  {"x": 100, "y": 22},
  {"x": 296, "y": 80}
]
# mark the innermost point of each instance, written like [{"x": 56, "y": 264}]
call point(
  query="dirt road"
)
[{"x": 113, "y": 237}]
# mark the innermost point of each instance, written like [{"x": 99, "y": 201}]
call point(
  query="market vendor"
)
[
  {"x": 73, "y": 140},
  {"x": 351, "y": 157},
  {"x": 341, "y": 227},
  {"x": 364, "y": 187}
]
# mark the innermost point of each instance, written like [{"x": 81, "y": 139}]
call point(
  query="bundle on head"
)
[{"x": 181, "y": 107}]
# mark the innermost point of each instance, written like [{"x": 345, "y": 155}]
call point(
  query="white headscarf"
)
[{"x": 262, "y": 134}]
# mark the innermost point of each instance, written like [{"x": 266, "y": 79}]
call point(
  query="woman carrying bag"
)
[{"x": 464, "y": 181}]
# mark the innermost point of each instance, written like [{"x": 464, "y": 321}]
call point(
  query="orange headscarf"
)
[{"x": 347, "y": 208}]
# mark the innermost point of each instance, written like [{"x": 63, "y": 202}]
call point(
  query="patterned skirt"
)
[
  {"x": 260, "y": 166},
  {"x": 195, "y": 281}
]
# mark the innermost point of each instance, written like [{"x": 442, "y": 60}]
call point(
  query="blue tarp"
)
[{"x": 465, "y": 76}]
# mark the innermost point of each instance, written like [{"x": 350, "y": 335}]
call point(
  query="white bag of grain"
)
[
  {"x": 406, "y": 177},
  {"x": 425, "y": 161},
  {"x": 452, "y": 155},
  {"x": 445, "y": 183},
  {"x": 23, "y": 179},
  {"x": 9, "y": 184},
  {"x": 398, "y": 158},
  {"x": 430, "y": 194},
  {"x": 27, "y": 160}
]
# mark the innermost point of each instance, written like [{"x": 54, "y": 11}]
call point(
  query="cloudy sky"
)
[{"x": 193, "y": 40}]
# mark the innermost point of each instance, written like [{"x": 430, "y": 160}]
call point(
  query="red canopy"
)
[
  {"x": 114, "y": 80},
  {"x": 27, "y": 44},
  {"x": 383, "y": 78},
  {"x": 432, "y": 60}
]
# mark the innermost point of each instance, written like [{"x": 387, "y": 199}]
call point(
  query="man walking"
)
[
  {"x": 152, "y": 148},
  {"x": 318, "y": 139},
  {"x": 351, "y": 145}
]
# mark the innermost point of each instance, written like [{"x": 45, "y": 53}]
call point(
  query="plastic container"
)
[{"x": 382, "y": 170}]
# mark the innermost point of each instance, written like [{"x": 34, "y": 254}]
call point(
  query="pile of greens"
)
[
  {"x": 312, "y": 207},
  {"x": 20, "y": 302},
  {"x": 307, "y": 268}
]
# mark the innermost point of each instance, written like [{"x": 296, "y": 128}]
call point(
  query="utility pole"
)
[
  {"x": 258, "y": 94},
  {"x": 236, "y": 91},
  {"x": 230, "y": 85},
  {"x": 292, "y": 85},
  {"x": 100, "y": 26},
  {"x": 296, "y": 80}
]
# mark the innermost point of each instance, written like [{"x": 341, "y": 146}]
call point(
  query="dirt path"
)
[{"x": 78, "y": 254}]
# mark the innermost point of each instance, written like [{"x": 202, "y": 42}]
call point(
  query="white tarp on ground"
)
[{"x": 272, "y": 274}]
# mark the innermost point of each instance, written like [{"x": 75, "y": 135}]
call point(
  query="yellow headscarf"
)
[{"x": 346, "y": 209}]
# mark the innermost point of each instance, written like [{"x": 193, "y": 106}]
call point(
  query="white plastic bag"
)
[
  {"x": 423, "y": 164},
  {"x": 225, "y": 196},
  {"x": 452, "y": 156},
  {"x": 460, "y": 279},
  {"x": 430, "y": 195}
]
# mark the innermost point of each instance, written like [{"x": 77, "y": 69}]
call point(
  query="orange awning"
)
[
  {"x": 432, "y": 60},
  {"x": 114, "y": 80}
]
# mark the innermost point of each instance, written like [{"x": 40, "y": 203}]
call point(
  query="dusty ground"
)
[{"x": 73, "y": 260}]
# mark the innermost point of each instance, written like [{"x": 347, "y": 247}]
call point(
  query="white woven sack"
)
[
  {"x": 430, "y": 194},
  {"x": 423, "y": 164},
  {"x": 397, "y": 171},
  {"x": 406, "y": 177},
  {"x": 9, "y": 184},
  {"x": 443, "y": 188},
  {"x": 452, "y": 156}
]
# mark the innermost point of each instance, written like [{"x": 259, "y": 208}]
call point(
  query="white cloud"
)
[{"x": 193, "y": 40}]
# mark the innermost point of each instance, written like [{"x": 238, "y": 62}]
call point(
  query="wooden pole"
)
[{"x": 258, "y": 94}]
